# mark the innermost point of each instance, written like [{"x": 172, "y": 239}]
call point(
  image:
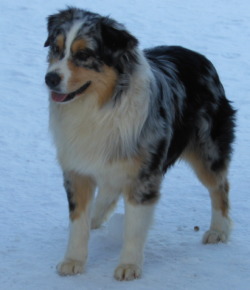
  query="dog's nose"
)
[{"x": 52, "y": 79}]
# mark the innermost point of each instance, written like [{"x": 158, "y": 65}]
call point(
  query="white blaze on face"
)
[{"x": 61, "y": 66}]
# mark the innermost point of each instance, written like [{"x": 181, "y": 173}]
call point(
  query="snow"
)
[{"x": 33, "y": 207}]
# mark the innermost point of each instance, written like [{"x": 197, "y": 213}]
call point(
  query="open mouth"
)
[{"x": 57, "y": 97}]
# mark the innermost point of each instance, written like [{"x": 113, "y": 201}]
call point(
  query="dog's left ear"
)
[
  {"x": 47, "y": 42},
  {"x": 53, "y": 22},
  {"x": 115, "y": 37}
]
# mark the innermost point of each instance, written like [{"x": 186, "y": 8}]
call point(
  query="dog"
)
[{"x": 120, "y": 117}]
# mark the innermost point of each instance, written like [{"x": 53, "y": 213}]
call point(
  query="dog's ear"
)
[
  {"x": 115, "y": 37},
  {"x": 50, "y": 28},
  {"x": 53, "y": 22},
  {"x": 47, "y": 42}
]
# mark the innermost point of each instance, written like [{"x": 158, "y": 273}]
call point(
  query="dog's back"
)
[{"x": 188, "y": 83}]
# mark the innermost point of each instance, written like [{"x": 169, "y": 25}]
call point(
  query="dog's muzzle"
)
[{"x": 53, "y": 80}]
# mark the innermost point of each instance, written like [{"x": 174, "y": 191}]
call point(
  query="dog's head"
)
[{"x": 88, "y": 54}]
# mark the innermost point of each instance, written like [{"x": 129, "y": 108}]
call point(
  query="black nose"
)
[{"x": 52, "y": 79}]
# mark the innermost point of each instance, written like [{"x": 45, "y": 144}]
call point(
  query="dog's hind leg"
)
[
  {"x": 209, "y": 154},
  {"x": 218, "y": 186},
  {"x": 80, "y": 191},
  {"x": 105, "y": 203}
]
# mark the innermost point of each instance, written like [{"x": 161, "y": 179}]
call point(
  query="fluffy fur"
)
[{"x": 120, "y": 117}]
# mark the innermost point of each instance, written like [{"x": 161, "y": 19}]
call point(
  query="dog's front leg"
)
[
  {"x": 80, "y": 190},
  {"x": 140, "y": 199},
  {"x": 137, "y": 222}
]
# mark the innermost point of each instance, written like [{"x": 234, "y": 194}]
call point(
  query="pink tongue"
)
[{"x": 58, "y": 97}]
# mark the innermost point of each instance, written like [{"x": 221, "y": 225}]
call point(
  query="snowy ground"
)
[{"x": 33, "y": 208}]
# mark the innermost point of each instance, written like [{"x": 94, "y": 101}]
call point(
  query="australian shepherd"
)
[{"x": 120, "y": 118}]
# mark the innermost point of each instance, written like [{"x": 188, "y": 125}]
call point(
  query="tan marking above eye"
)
[
  {"x": 57, "y": 48},
  {"x": 78, "y": 44},
  {"x": 60, "y": 42}
]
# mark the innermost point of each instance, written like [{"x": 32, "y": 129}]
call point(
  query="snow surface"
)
[{"x": 33, "y": 207}]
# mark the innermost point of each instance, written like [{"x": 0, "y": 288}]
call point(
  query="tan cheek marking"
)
[
  {"x": 106, "y": 85},
  {"x": 103, "y": 83},
  {"x": 78, "y": 44},
  {"x": 79, "y": 76}
]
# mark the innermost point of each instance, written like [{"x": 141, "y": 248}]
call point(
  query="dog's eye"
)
[
  {"x": 55, "y": 49},
  {"x": 82, "y": 55}
]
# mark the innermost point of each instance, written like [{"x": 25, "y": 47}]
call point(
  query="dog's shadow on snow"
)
[{"x": 106, "y": 242}]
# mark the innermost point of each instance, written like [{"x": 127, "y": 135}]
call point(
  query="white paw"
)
[
  {"x": 214, "y": 237},
  {"x": 127, "y": 272},
  {"x": 70, "y": 267}
]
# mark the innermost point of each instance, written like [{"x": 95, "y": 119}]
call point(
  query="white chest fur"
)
[{"x": 87, "y": 137}]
